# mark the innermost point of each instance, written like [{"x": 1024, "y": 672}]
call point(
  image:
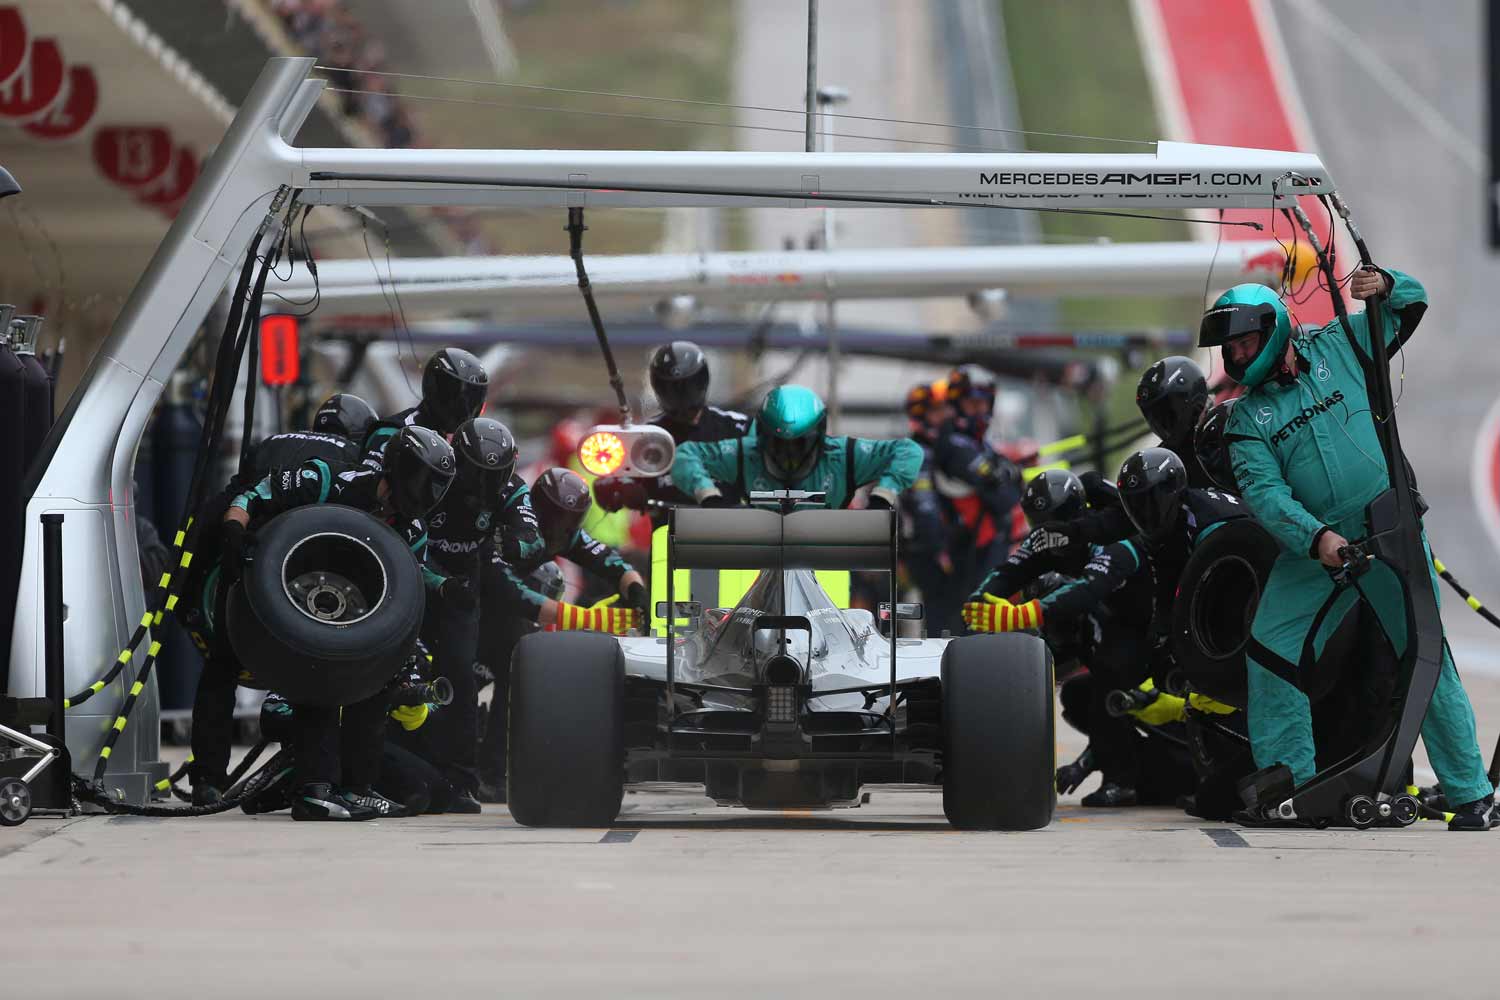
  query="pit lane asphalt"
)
[{"x": 681, "y": 898}]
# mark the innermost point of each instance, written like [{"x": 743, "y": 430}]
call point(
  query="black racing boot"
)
[
  {"x": 273, "y": 796},
  {"x": 374, "y": 800},
  {"x": 322, "y": 801},
  {"x": 464, "y": 802},
  {"x": 1109, "y": 796},
  {"x": 205, "y": 794},
  {"x": 1479, "y": 815}
]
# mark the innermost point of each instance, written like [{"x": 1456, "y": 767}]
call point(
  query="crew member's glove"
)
[
  {"x": 1056, "y": 538},
  {"x": 458, "y": 593},
  {"x": 715, "y": 499},
  {"x": 996, "y": 614},
  {"x": 617, "y": 492},
  {"x": 1166, "y": 708},
  {"x": 411, "y": 717},
  {"x": 236, "y": 543},
  {"x": 881, "y": 498},
  {"x": 1070, "y": 776},
  {"x": 635, "y": 597},
  {"x": 602, "y": 617}
]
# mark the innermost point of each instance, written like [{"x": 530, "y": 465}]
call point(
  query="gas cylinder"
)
[{"x": 12, "y": 472}]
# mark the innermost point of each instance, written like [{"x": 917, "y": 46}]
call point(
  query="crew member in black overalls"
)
[
  {"x": 337, "y": 749},
  {"x": 1172, "y": 395},
  {"x": 486, "y": 513},
  {"x": 679, "y": 377},
  {"x": 337, "y": 437},
  {"x": 454, "y": 388}
]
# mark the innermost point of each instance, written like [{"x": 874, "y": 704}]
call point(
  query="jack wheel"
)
[
  {"x": 1361, "y": 812},
  {"x": 1404, "y": 810},
  {"x": 15, "y": 802}
]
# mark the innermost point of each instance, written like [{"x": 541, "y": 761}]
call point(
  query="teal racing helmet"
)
[
  {"x": 1245, "y": 311},
  {"x": 790, "y": 428}
]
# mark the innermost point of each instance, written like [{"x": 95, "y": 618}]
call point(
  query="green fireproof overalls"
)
[{"x": 1305, "y": 456}]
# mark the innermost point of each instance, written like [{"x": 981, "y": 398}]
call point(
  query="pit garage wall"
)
[{"x": 1393, "y": 100}]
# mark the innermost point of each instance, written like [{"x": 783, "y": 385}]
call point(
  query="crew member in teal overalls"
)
[
  {"x": 1307, "y": 461},
  {"x": 789, "y": 449}
]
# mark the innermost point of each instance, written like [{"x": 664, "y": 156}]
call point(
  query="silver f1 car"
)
[{"x": 783, "y": 701}]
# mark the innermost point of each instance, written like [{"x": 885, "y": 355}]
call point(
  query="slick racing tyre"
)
[
  {"x": 328, "y": 607},
  {"x": 566, "y": 759},
  {"x": 998, "y": 749},
  {"x": 1217, "y": 596}
]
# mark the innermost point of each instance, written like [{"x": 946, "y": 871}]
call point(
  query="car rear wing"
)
[
  {"x": 747, "y": 538},
  {"x": 755, "y": 538}
]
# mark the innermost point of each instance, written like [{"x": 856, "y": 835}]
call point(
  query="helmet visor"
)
[
  {"x": 458, "y": 402},
  {"x": 416, "y": 488},
  {"x": 1171, "y": 417},
  {"x": 1222, "y": 324},
  {"x": 791, "y": 460},
  {"x": 1153, "y": 511},
  {"x": 559, "y": 526},
  {"x": 681, "y": 397}
]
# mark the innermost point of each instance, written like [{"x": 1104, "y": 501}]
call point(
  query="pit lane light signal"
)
[{"x": 618, "y": 450}]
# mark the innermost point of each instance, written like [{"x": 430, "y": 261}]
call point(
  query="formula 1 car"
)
[{"x": 783, "y": 701}]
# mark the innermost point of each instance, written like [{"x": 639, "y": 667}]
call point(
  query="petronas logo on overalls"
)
[{"x": 482, "y": 522}]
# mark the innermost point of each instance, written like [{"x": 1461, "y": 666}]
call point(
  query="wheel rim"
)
[
  {"x": 1404, "y": 810},
  {"x": 15, "y": 802},
  {"x": 343, "y": 598}
]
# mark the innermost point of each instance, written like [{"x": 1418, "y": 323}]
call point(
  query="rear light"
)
[
  {"x": 781, "y": 704},
  {"x": 639, "y": 450},
  {"x": 601, "y": 453}
]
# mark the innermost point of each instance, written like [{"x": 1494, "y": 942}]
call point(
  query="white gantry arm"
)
[{"x": 445, "y": 286}]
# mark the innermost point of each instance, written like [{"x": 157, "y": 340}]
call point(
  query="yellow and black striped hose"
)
[
  {"x": 1469, "y": 598},
  {"x": 164, "y": 599}
]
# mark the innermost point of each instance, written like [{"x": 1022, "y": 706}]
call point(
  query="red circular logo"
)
[
  {"x": 38, "y": 83},
  {"x": 72, "y": 110}
]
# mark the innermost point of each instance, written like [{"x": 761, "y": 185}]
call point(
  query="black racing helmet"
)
[
  {"x": 486, "y": 452},
  {"x": 1172, "y": 394},
  {"x": 1213, "y": 449},
  {"x": 1053, "y": 495},
  {"x": 561, "y": 500},
  {"x": 1151, "y": 486},
  {"x": 419, "y": 467},
  {"x": 454, "y": 387},
  {"x": 346, "y": 415},
  {"x": 679, "y": 378}
]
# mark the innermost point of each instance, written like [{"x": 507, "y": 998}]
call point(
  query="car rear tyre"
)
[
  {"x": 566, "y": 759},
  {"x": 328, "y": 607},
  {"x": 998, "y": 743}
]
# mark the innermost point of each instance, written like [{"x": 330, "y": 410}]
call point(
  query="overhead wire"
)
[
  {"x": 800, "y": 112},
  {"x": 365, "y": 214},
  {"x": 662, "y": 119}
]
